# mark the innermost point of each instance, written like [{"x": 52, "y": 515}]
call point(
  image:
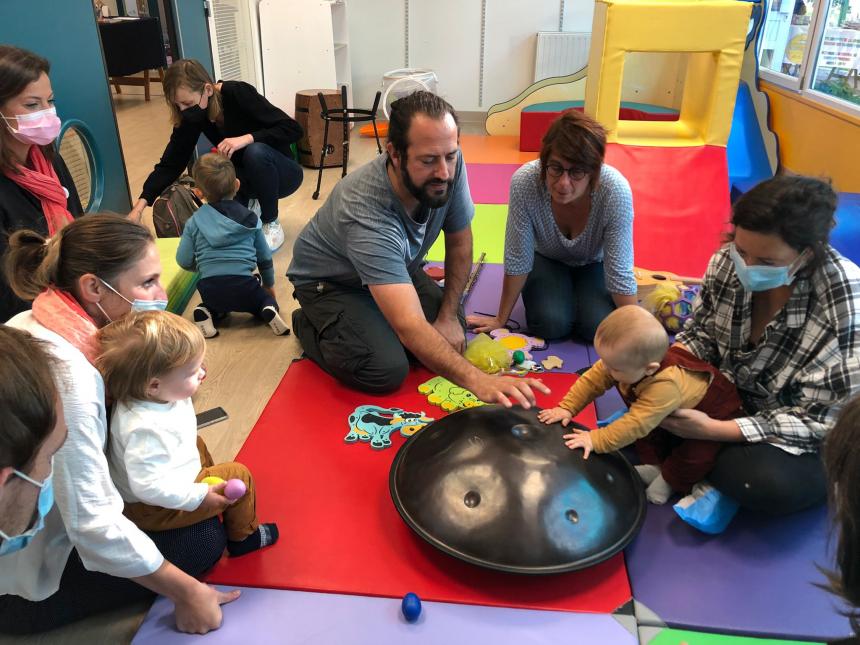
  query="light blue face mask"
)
[
  {"x": 12, "y": 543},
  {"x": 137, "y": 304},
  {"x": 762, "y": 277}
]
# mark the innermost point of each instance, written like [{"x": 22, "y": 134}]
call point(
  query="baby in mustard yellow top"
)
[{"x": 654, "y": 380}]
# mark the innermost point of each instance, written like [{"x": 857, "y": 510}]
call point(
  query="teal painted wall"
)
[
  {"x": 193, "y": 31},
  {"x": 65, "y": 33}
]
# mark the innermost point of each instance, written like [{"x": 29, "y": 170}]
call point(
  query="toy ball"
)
[
  {"x": 411, "y": 607},
  {"x": 212, "y": 481},
  {"x": 235, "y": 489},
  {"x": 675, "y": 313},
  {"x": 518, "y": 356}
]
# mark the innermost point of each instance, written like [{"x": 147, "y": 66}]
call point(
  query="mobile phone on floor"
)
[{"x": 208, "y": 417}]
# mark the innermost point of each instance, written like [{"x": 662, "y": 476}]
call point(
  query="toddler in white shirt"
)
[{"x": 152, "y": 364}]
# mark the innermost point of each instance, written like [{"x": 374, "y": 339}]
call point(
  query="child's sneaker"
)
[
  {"x": 271, "y": 316},
  {"x": 203, "y": 320},
  {"x": 274, "y": 235},
  {"x": 265, "y": 535}
]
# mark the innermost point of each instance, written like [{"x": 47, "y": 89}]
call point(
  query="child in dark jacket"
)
[{"x": 224, "y": 242}]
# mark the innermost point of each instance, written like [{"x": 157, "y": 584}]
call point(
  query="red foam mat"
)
[
  {"x": 680, "y": 202},
  {"x": 339, "y": 529}
]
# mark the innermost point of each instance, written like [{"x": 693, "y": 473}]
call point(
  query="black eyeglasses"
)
[{"x": 555, "y": 171}]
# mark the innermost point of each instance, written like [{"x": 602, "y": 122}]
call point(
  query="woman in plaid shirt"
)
[{"x": 779, "y": 314}]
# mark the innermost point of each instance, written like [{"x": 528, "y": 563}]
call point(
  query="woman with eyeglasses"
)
[{"x": 569, "y": 237}]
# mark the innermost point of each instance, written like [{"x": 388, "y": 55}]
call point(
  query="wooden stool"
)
[{"x": 309, "y": 116}]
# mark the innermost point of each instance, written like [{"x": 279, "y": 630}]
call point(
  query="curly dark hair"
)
[
  {"x": 404, "y": 109},
  {"x": 798, "y": 209}
]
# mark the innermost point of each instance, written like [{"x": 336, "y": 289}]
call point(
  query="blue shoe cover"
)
[{"x": 707, "y": 509}]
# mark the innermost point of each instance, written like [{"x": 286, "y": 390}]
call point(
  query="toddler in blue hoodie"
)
[{"x": 224, "y": 242}]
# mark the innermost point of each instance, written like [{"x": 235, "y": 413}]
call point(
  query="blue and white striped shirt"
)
[{"x": 607, "y": 237}]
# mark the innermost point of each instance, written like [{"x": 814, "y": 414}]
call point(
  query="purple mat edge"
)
[{"x": 365, "y": 619}]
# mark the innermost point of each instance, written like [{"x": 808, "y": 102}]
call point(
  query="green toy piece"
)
[
  {"x": 448, "y": 396},
  {"x": 518, "y": 356}
]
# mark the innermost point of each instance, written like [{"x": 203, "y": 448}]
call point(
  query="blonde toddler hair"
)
[
  {"x": 142, "y": 346},
  {"x": 215, "y": 175},
  {"x": 636, "y": 332}
]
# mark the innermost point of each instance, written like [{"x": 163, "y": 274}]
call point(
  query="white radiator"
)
[{"x": 559, "y": 53}]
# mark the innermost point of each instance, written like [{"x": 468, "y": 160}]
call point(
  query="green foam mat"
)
[
  {"x": 178, "y": 283},
  {"x": 488, "y": 233},
  {"x": 657, "y": 636}
]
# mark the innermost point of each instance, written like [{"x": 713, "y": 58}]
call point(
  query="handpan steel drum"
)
[{"x": 498, "y": 488}]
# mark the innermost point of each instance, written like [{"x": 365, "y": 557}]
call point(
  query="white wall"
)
[
  {"x": 445, "y": 35},
  {"x": 377, "y": 44}
]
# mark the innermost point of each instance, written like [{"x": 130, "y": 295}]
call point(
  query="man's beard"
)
[{"x": 422, "y": 193}]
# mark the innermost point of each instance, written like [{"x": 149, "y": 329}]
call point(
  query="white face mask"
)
[
  {"x": 36, "y": 128},
  {"x": 136, "y": 304}
]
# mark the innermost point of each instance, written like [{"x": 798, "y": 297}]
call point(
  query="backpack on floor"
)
[{"x": 174, "y": 207}]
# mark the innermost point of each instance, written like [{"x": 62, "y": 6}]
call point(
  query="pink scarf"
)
[
  {"x": 58, "y": 311},
  {"x": 43, "y": 182}
]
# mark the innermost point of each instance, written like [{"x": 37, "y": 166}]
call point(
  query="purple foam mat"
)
[
  {"x": 263, "y": 616},
  {"x": 574, "y": 354},
  {"x": 610, "y": 402},
  {"x": 756, "y": 579},
  {"x": 489, "y": 182},
  {"x": 484, "y": 295},
  {"x": 484, "y": 298}
]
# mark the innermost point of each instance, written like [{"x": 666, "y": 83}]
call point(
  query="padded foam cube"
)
[{"x": 712, "y": 32}]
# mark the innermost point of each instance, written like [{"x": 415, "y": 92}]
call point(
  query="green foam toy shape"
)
[{"x": 448, "y": 396}]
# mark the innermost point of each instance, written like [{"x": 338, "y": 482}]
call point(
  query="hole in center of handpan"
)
[
  {"x": 472, "y": 499},
  {"x": 523, "y": 431}
]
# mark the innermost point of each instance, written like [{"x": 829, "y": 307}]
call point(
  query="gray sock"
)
[
  {"x": 658, "y": 491},
  {"x": 648, "y": 472}
]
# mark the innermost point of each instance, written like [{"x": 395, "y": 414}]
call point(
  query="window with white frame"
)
[{"x": 813, "y": 46}]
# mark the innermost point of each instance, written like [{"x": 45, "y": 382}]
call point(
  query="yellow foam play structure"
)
[{"x": 711, "y": 32}]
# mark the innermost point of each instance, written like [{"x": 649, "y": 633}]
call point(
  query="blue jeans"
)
[
  {"x": 267, "y": 176},
  {"x": 561, "y": 300}
]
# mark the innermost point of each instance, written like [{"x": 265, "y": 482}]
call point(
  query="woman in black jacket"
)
[
  {"x": 243, "y": 125},
  {"x": 36, "y": 189}
]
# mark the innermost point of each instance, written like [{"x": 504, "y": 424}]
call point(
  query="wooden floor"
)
[{"x": 246, "y": 361}]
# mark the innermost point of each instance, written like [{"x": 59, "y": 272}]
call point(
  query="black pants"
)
[
  {"x": 764, "y": 478},
  {"x": 266, "y": 175},
  {"x": 194, "y": 549},
  {"x": 343, "y": 331},
  {"x": 222, "y": 294}
]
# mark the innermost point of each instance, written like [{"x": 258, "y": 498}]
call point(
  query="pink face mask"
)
[{"x": 36, "y": 128}]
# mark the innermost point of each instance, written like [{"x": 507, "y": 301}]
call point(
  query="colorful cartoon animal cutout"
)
[
  {"x": 448, "y": 396},
  {"x": 514, "y": 341},
  {"x": 371, "y": 423}
]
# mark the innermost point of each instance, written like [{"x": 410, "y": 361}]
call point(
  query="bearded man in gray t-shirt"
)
[{"x": 357, "y": 265}]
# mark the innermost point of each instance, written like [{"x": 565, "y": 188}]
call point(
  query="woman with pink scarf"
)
[
  {"x": 36, "y": 189},
  {"x": 89, "y": 557}
]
